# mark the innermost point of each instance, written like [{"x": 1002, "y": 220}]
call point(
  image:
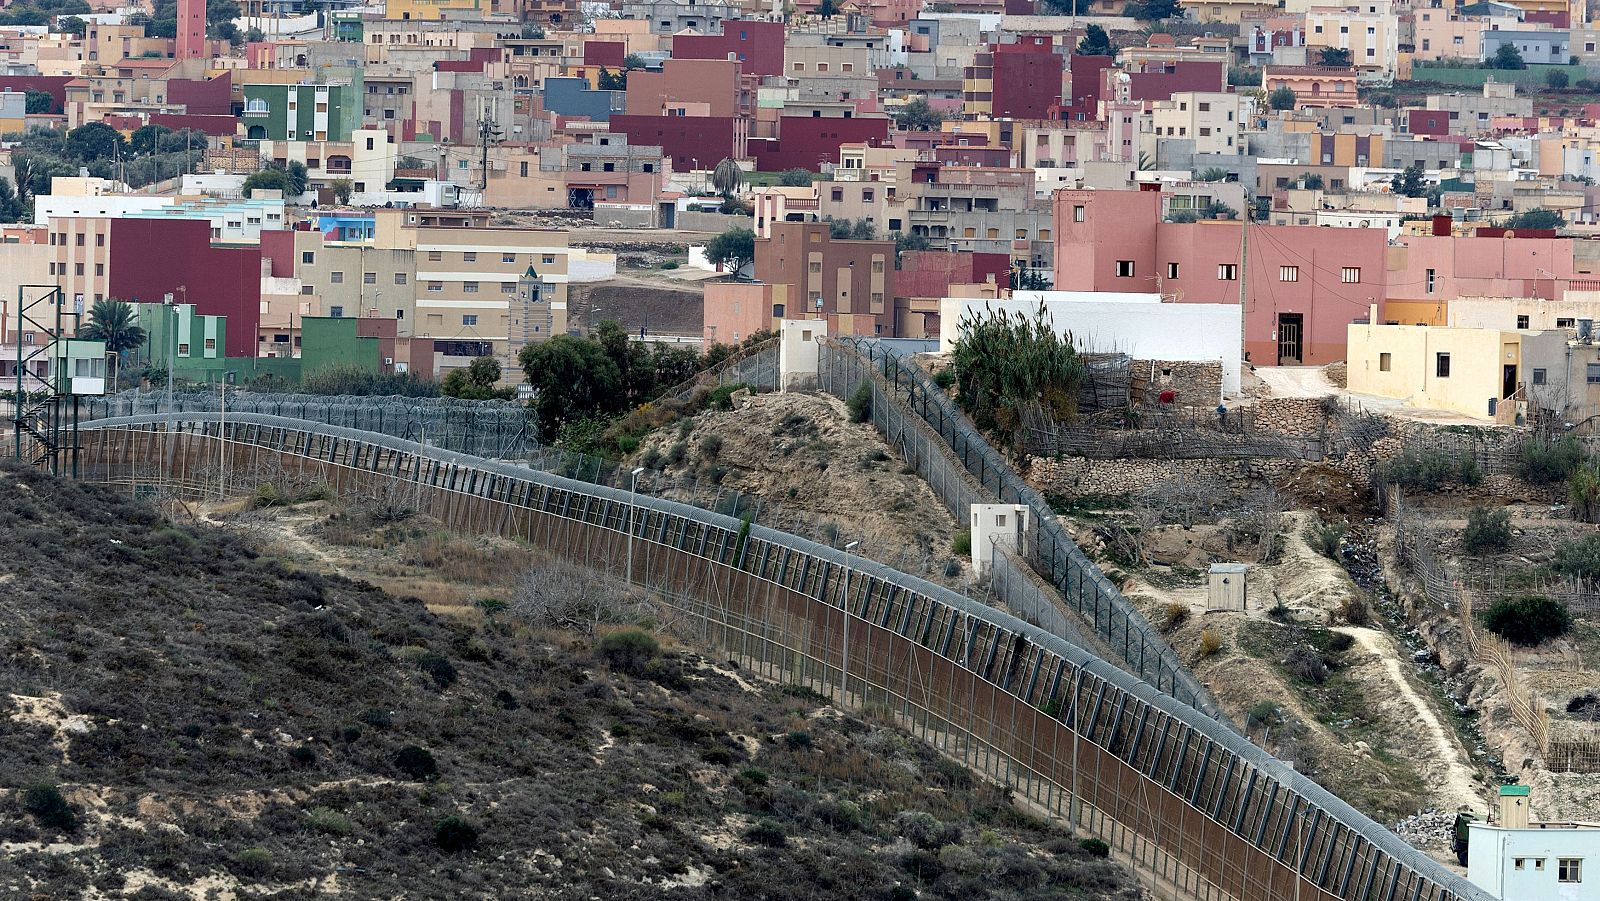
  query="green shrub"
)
[
  {"x": 1306, "y": 665},
  {"x": 677, "y": 452},
  {"x": 1545, "y": 462},
  {"x": 1528, "y": 620},
  {"x": 627, "y": 444},
  {"x": 1341, "y": 642},
  {"x": 438, "y": 667},
  {"x": 860, "y": 403},
  {"x": 252, "y": 863},
  {"x": 1095, "y": 847},
  {"x": 753, "y": 776},
  {"x": 1262, "y": 713},
  {"x": 944, "y": 378},
  {"x": 721, "y": 397},
  {"x": 1430, "y": 470},
  {"x": 1583, "y": 493},
  {"x": 1354, "y": 610},
  {"x": 326, "y": 819},
  {"x": 1579, "y": 558},
  {"x": 1173, "y": 615},
  {"x": 766, "y": 832},
  {"x": 453, "y": 834},
  {"x": 651, "y": 459},
  {"x": 1325, "y": 538},
  {"x": 1210, "y": 643},
  {"x": 962, "y": 543},
  {"x": 304, "y": 755},
  {"x": 48, "y": 806},
  {"x": 711, "y": 446},
  {"x": 1488, "y": 530},
  {"x": 417, "y": 763},
  {"x": 798, "y": 741},
  {"x": 629, "y": 650}
]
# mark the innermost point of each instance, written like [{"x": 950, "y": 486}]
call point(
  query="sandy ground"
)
[{"x": 1312, "y": 381}]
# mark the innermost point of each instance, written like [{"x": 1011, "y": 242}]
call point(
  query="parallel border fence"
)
[
  {"x": 905, "y": 400},
  {"x": 1195, "y": 808}
]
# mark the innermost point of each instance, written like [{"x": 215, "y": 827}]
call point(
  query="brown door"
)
[{"x": 1290, "y": 326}]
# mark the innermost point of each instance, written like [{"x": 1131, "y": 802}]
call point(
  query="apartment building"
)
[
  {"x": 1214, "y": 121},
  {"x": 1369, "y": 30},
  {"x": 848, "y": 283},
  {"x": 302, "y": 112}
]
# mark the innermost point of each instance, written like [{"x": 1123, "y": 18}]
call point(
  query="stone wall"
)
[
  {"x": 1080, "y": 476},
  {"x": 1196, "y": 383},
  {"x": 1301, "y": 417}
]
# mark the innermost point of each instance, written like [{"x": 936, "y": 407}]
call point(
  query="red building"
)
[
  {"x": 1027, "y": 78},
  {"x": 1084, "y": 102},
  {"x": 203, "y": 97},
  {"x": 1159, "y": 81},
  {"x": 605, "y": 53},
  {"x": 54, "y": 85},
  {"x": 805, "y": 142},
  {"x": 691, "y": 143},
  {"x": 1428, "y": 121},
  {"x": 758, "y": 46},
  {"x": 219, "y": 281}
]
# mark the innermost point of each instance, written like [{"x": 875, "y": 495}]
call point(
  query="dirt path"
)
[
  {"x": 1456, "y": 780},
  {"x": 1296, "y": 381}
]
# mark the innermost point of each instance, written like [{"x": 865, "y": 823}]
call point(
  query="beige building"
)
[
  {"x": 1464, "y": 370},
  {"x": 1213, "y": 120},
  {"x": 1368, "y": 30}
]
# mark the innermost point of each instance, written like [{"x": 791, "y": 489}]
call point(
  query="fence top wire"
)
[{"x": 1226, "y": 738}]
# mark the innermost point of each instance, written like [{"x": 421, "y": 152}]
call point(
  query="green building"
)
[
  {"x": 198, "y": 352},
  {"x": 332, "y": 341},
  {"x": 302, "y": 112}
]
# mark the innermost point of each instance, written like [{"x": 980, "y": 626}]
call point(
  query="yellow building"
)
[
  {"x": 429, "y": 10},
  {"x": 1232, "y": 12},
  {"x": 1464, "y": 370}
]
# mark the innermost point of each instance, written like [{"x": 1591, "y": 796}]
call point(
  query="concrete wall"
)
[
  {"x": 1410, "y": 372},
  {"x": 1148, "y": 331},
  {"x": 1495, "y": 852}
]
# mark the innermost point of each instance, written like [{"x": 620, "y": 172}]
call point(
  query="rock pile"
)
[
  {"x": 1428, "y": 830},
  {"x": 1299, "y": 416}
]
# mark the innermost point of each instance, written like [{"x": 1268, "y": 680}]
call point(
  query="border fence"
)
[
  {"x": 905, "y": 399},
  {"x": 1195, "y": 808}
]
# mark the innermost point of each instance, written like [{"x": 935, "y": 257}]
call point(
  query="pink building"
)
[
  {"x": 736, "y": 310},
  {"x": 1313, "y": 86},
  {"x": 696, "y": 88},
  {"x": 1439, "y": 268},
  {"x": 1304, "y": 284}
]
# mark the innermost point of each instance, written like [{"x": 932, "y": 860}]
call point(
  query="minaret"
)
[{"x": 192, "y": 29}]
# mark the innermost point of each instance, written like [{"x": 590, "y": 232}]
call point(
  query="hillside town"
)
[{"x": 819, "y": 415}]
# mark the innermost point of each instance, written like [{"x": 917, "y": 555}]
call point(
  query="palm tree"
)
[
  {"x": 115, "y": 323},
  {"x": 727, "y": 177}
]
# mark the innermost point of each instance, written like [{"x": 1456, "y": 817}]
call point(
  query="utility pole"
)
[{"x": 487, "y": 130}]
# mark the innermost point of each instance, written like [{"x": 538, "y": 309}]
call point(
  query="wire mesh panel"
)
[{"x": 1197, "y": 810}]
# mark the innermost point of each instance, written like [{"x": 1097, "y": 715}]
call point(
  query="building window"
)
[
  {"x": 308, "y": 258},
  {"x": 1125, "y": 269},
  {"x": 336, "y": 312},
  {"x": 1288, "y": 273},
  {"x": 211, "y": 344},
  {"x": 1522, "y": 322},
  {"x": 1566, "y": 323},
  {"x": 508, "y": 258},
  {"x": 1172, "y": 270},
  {"x": 1441, "y": 365},
  {"x": 369, "y": 278},
  {"x": 308, "y": 289},
  {"x": 1538, "y": 376},
  {"x": 435, "y": 256},
  {"x": 469, "y": 287},
  {"x": 1384, "y": 361},
  {"x": 336, "y": 277},
  {"x": 399, "y": 278},
  {"x": 77, "y": 268},
  {"x": 1077, "y": 213},
  {"x": 435, "y": 287},
  {"x": 814, "y": 267},
  {"x": 508, "y": 287},
  {"x": 469, "y": 319},
  {"x": 1430, "y": 281},
  {"x": 99, "y": 240},
  {"x": 99, "y": 269},
  {"x": 468, "y": 256},
  {"x": 877, "y": 266},
  {"x": 1350, "y": 275},
  {"x": 1569, "y": 869},
  {"x": 1592, "y": 373},
  {"x": 1227, "y": 272},
  {"x": 183, "y": 349}
]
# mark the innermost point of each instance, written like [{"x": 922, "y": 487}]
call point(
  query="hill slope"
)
[{"x": 217, "y": 722}]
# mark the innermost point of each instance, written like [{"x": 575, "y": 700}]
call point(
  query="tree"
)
[
  {"x": 851, "y": 230},
  {"x": 11, "y": 206},
  {"x": 727, "y": 177},
  {"x": 267, "y": 179},
  {"x": 147, "y": 139},
  {"x": 342, "y": 189},
  {"x": 1507, "y": 57},
  {"x": 610, "y": 82},
  {"x": 40, "y": 102},
  {"x": 1216, "y": 209},
  {"x": 1025, "y": 279},
  {"x": 1152, "y": 10},
  {"x": 1335, "y": 57},
  {"x": 94, "y": 141},
  {"x": 795, "y": 178},
  {"x": 1409, "y": 182},
  {"x": 1006, "y": 363},
  {"x": 1281, "y": 98},
  {"x": 734, "y": 249},
  {"x": 1556, "y": 79},
  {"x": 828, "y": 8},
  {"x": 572, "y": 377},
  {"x": 115, "y": 323},
  {"x": 1068, "y": 7},
  {"x": 255, "y": 35},
  {"x": 1539, "y": 218},
  {"x": 1212, "y": 174},
  {"x": 1096, "y": 43},
  {"x": 532, "y": 32},
  {"x": 917, "y": 116},
  {"x": 632, "y": 61},
  {"x": 296, "y": 171},
  {"x": 1310, "y": 180},
  {"x": 476, "y": 382}
]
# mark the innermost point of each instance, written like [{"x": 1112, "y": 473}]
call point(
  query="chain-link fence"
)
[
  {"x": 964, "y": 470},
  {"x": 494, "y": 429}
]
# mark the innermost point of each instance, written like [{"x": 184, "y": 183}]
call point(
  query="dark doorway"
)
[
  {"x": 1508, "y": 382},
  {"x": 1290, "y": 338}
]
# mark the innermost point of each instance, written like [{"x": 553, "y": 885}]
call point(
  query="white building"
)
[
  {"x": 1139, "y": 325},
  {"x": 1213, "y": 120},
  {"x": 1515, "y": 860}
]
